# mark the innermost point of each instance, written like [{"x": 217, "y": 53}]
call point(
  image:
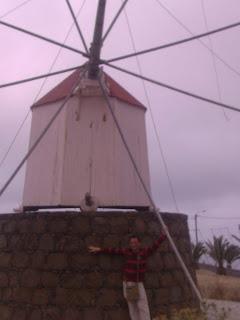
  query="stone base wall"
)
[{"x": 46, "y": 271}]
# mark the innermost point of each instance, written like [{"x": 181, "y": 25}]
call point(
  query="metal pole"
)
[
  {"x": 77, "y": 26},
  {"x": 187, "y": 273},
  {"x": 168, "y": 45},
  {"x": 196, "y": 228},
  {"x": 164, "y": 85},
  {"x": 114, "y": 20},
  {"x": 95, "y": 49},
  {"x": 9, "y": 84},
  {"x": 43, "y": 38}
]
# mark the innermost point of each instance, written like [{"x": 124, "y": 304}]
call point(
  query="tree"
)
[
  {"x": 232, "y": 254},
  {"x": 217, "y": 251},
  {"x": 236, "y": 238},
  {"x": 198, "y": 250}
]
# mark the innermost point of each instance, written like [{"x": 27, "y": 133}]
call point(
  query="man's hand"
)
[{"x": 93, "y": 249}]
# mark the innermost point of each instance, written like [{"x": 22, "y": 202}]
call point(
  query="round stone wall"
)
[{"x": 46, "y": 271}]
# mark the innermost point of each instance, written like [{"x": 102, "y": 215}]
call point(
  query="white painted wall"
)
[
  {"x": 44, "y": 167},
  {"x": 83, "y": 152}
]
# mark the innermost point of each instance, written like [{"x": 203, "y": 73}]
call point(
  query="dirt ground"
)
[{"x": 232, "y": 308}]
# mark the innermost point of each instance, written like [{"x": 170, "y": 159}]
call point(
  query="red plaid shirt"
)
[{"x": 135, "y": 262}]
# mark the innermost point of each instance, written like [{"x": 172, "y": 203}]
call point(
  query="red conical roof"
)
[{"x": 64, "y": 87}]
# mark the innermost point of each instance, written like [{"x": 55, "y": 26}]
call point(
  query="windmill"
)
[
  {"x": 93, "y": 67},
  {"x": 82, "y": 162}
]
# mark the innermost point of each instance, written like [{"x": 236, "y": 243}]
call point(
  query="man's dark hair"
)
[{"x": 134, "y": 236}]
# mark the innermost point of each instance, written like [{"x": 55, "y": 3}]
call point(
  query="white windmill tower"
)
[{"x": 82, "y": 161}]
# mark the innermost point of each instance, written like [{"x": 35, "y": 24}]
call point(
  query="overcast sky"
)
[{"x": 200, "y": 142}]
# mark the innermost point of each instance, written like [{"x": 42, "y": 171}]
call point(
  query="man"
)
[{"x": 133, "y": 273}]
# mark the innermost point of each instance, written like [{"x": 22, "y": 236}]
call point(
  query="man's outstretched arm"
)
[
  {"x": 93, "y": 249},
  {"x": 151, "y": 249},
  {"x": 117, "y": 251}
]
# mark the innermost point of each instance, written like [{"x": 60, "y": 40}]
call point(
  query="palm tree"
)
[
  {"x": 232, "y": 254},
  {"x": 236, "y": 238},
  {"x": 217, "y": 250},
  {"x": 198, "y": 250}
]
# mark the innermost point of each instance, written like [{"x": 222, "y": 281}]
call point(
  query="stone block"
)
[
  {"x": 19, "y": 314},
  {"x": 5, "y": 260},
  {"x": 149, "y": 293},
  {"x": 164, "y": 247},
  {"x": 22, "y": 295},
  {"x": 7, "y": 294},
  {"x": 92, "y": 280},
  {"x": 35, "y": 314},
  {"x": 105, "y": 262},
  {"x": 46, "y": 242},
  {"x": 92, "y": 314},
  {"x": 162, "y": 296},
  {"x": 176, "y": 295},
  {"x": 155, "y": 263},
  {"x": 108, "y": 297},
  {"x": 3, "y": 242},
  {"x": 184, "y": 246},
  {"x": 117, "y": 263},
  {"x": 119, "y": 225},
  {"x": 58, "y": 225},
  {"x": 72, "y": 280},
  {"x": 13, "y": 279},
  {"x": 179, "y": 276},
  {"x": 139, "y": 226},
  {"x": 30, "y": 278},
  {"x": 175, "y": 229},
  {"x": 82, "y": 261},
  {"x": 69, "y": 243},
  {"x": 117, "y": 314},
  {"x": 30, "y": 242},
  {"x": 49, "y": 279},
  {"x": 9, "y": 226},
  {"x": 114, "y": 280},
  {"x": 3, "y": 280},
  {"x": 52, "y": 313},
  {"x": 93, "y": 240},
  {"x": 187, "y": 292},
  {"x": 39, "y": 225},
  {"x": 20, "y": 260},
  {"x": 24, "y": 225},
  {"x": 111, "y": 241},
  {"x": 167, "y": 279},
  {"x": 81, "y": 225},
  {"x": 56, "y": 261},
  {"x": 100, "y": 225},
  {"x": 154, "y": 227},
  {"x": 74, "y": 314},
  {"x": 76, "y": 297},
  {"x": 147, "y": 241},
  {"x": 169, "y": 261},
  {"x": 5, "y": 312},
  {"x": 41, "y": 296},
  {"x": 15, "y": 242},
  {"x": 152, "y": 280},
  {"x": 187, "y": 258},
  {"x": 38, "y": 259}
]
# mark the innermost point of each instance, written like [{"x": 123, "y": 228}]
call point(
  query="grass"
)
[{"x": 213, "y": 286}]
